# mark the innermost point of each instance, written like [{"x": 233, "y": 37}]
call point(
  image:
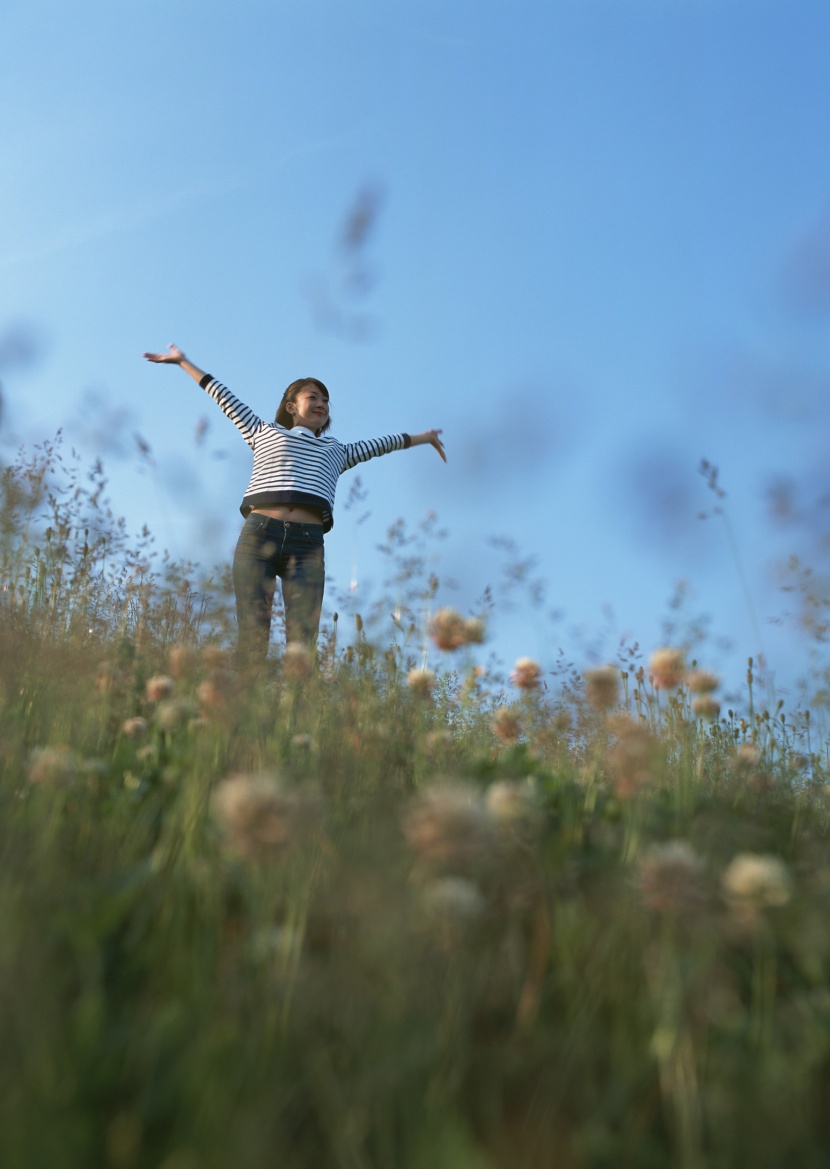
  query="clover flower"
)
[
  {"x": 602, "y": 687},
  {"x": 421, "y": 682},
  {"x": 182, "y": 660},
  {"x": 159, "y": 687},
  {"x": 702, "y": 681},
  {"x": 474, "y": 631},
  {"x": 512, "y": 804},
  {"x": 526, "y": 674},
  {"x": 134, "y": 727},
  {"x": 706, "y": 706},
  {"x": 670, "y": 878},
  {"x": 259, "y": 818},
  {"x": 297, "y": 661},
  {"x": 447, "y": 827},
  {"x": 668, "y": 667},
  {"x": 51, "y": 765},
  {"x": 754, "y": 881},
  {"x": 634, "y": 760},
  {"x": 507, "y": 725},
  {"x": 453, "y": 899},
  {"x": 174, "y": 713},
  {"x": 448, "y": 629}
]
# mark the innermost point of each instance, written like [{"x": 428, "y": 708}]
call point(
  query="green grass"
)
[{"x": 417, "y": 932}]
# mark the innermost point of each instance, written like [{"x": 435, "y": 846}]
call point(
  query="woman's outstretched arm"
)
[
  {"x": 430, "y": 438},
  {"x": 174, "y": 356}
]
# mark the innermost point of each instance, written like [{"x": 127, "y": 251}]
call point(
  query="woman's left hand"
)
[{"x": 432, "y": 437}]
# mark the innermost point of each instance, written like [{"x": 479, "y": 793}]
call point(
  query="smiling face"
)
[
  {"x": 305, "y": 403},
  {"x": 310, "y": 408}
]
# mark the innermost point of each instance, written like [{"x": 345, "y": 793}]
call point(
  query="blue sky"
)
[{"x": 599, "y": 252}]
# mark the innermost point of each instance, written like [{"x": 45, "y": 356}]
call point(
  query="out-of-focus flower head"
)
[
  {"x": 297, "y": 661},
  {"x": 448, "y": 828},
  {"x": 474, "y": 631},
  {"x": 421, "y": 681},
  {"x": 706, "y": 706},
  {"x": 159, "y": 687},
  {"x": 747, "y": 757},
  {"x": 135, "y": 727},
  {"x": 438, "y": 740},
  {"x": 448, "y": 629},
  {"x": 107, "y": 678},
  {"x": 215, "y": 657},
  {"x": 634, "y": 760},
  {"x": 218, "y": 691},
  {"x": 507, "y": 725},
  {"x": 175, "y": 713},
  {"x": 183, "y": 660},
  {"x": 671, "y": 878},
  {"x": 52, "y": 765},
  {"x": 756, "y": 881},
  {"x": 526, "y": 674},
  {"x": 453, "y": 899},
  {"x": 513, "y": 804},
  {"x": 702, "y": 681},
  {"x": 602, "y": 687},
  {"x": 668, "y": 667},
  {"x": 260, "y": 819}
]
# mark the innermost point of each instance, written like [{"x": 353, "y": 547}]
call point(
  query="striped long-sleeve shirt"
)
[{"x": 295, "y": 466}]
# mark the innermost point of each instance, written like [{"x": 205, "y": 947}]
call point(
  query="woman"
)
[{"x": 288, "y": 504}]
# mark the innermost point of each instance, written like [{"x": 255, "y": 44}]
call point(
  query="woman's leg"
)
[
  {"x": 303, "y": 572},
  {"x": 254, "y": 578}
]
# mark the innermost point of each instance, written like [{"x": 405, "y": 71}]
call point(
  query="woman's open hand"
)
[
  {"x": 173, "y": 356},
  {"x": 432, "y": 438}
]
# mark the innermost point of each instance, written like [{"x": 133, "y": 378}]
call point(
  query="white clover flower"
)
[
  {"x": 159, "y": 687},
  {"x": 758, "y": 880},
  {"x": 421, "y": 682},
  {"x": 454, "y": 898},
  {"x": 52, "y": 765}
]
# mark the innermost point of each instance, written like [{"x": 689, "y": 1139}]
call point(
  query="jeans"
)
[{"x": 268, "y": 549}]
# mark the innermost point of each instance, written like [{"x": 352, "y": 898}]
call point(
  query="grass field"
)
[{"x": 360, "y": 914}]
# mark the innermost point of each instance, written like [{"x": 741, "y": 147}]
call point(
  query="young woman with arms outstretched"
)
[{"x": 288, "y": 504}]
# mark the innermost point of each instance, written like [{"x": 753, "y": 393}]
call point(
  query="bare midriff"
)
[{"x": 291, "y": 513}]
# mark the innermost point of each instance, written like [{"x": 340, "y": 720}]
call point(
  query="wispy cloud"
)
[{"x": 114, "y": 222}]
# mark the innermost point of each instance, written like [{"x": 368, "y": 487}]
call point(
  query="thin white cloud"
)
[{"x": 115, "y": 222}]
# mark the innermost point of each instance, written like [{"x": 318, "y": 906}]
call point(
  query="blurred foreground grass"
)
[{"x": 359, "y": 914}]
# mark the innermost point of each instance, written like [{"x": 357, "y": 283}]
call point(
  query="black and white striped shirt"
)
[{"x": 295, "y": 466}]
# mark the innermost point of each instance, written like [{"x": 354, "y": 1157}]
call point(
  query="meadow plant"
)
[{"x": 361, "y": 912}]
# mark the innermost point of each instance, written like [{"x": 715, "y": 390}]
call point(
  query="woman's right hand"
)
[{"x": 174, "y": 356}]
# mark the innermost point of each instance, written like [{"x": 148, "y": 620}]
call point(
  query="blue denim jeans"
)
[{"x": 268, "y": 549}]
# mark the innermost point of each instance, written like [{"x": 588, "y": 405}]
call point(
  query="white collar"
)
[{"x": 304, "y": 430}]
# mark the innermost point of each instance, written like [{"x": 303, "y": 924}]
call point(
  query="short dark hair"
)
[{"x": 285, "y": 417}]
